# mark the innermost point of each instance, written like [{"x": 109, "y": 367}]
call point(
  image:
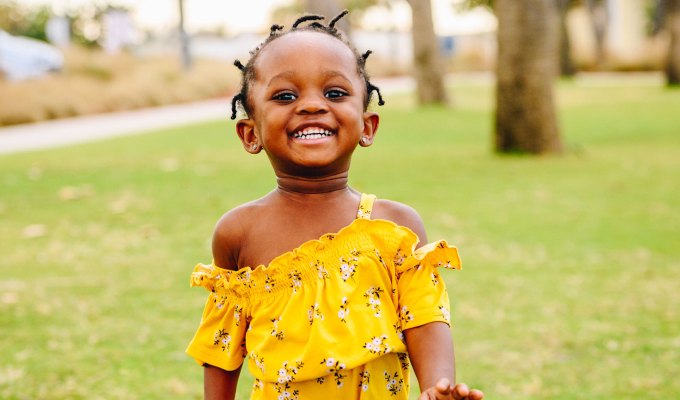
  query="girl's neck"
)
[{"x": 297, "y": 185}]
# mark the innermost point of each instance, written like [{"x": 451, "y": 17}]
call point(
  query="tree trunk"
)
[
  {"x": 672, "y": 23},
  {"x": 567, "y": 67},
  {"x": 185, "y": 53},
  {"x": 600, "y": 21},
  {"x": 329, "y": 9},
  {"x": 429, "y": 69},
  {"x": 526, "y": 120}
]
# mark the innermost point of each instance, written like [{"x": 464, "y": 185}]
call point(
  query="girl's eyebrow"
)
[
  {"x": 327, "y": 74},
  {"x": 282, "y": 75}
]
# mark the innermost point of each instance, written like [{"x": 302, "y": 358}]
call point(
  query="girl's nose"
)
[{"x": 312, "y": 104}]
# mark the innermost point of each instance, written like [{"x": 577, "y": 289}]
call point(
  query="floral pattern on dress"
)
[
  {"x": 320, "y": 269},
  {"x": 269, "y": 283},
  {"x": 404, "y": 361},
  {"x": 446, "y": 313},
  {"x": 365, "y": 380},
  {"x": 372, "y": 296},
  {"x": 223, "y": 339},
  {"x": 275, "y": 329},
  {"x": 348, "y": 266},
  {"x": 336, "y": 368},
  {"x": 377, "y": 345},
  {"x": 219, "y": 301},
  {"x": 363, "y": 212},
  {"x": 399, "y": 258},
  {"x": 380, "y": 258},
  {"x": 237, "y": 314},
  {"x": 295, "y": 277},
  {"x": 258, "y": 360},
  {"x": 434, "y": 277},
  {"x": 314, "y": 312},
  {"x": 399, "y": 332},
  {"x": 395, "y": 383},
  {"x": 405, "y": 314},
  {"x": 344, "y": 310},
  {"x": 287, "y": 375},
  {"x": 244, "y": 277}
]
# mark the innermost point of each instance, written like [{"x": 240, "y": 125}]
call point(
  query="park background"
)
[{"x": 570, "y": 251}]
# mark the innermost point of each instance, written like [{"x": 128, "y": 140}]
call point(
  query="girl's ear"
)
[
  {"x": 245, "y": 128},
  {"x": 371, "y": 122}
]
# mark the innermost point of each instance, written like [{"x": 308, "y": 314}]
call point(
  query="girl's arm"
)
[
  {"x": 219, "y": 384},
  {"x": 430, "y": 349}
]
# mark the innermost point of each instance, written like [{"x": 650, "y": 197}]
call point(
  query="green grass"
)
[{"x": 572, "y": 263}]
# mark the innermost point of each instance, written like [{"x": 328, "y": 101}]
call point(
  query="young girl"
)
[{"x": 319, "y": 314}]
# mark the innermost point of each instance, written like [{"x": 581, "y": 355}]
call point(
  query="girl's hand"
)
[{"x": 444, "y": 390}]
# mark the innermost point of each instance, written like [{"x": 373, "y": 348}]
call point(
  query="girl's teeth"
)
[{"x": 312, "y": 133}]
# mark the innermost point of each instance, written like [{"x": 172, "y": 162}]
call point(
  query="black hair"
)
[{"x": 276, "y": 31}]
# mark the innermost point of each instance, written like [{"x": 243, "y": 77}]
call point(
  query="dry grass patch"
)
[{"x": 94, "y": 82}]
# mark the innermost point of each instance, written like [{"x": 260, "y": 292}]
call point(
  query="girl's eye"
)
[
  {"x": 335, "y": 94},
  {"x": 284, "y": 96}
]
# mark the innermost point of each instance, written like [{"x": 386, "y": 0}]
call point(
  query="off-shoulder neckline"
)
[{"x": 312, "y": 243}]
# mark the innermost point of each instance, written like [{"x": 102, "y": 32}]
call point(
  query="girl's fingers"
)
[
  {"x": 476, "y": 394},
  {"x": 443, "y": 386},
  {"x": 460, "y": 391}
]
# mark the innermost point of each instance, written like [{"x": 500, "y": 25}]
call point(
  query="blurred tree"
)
[
  {"x": 671, "y": 11},
  {"x": 24, "y": 21},
  {"x": 329, "y": 9},
  {"x": 185, "y": 53},
  {"x": 567, "y": 66},
  {"x": 526, "y": 120},
  {"x": 600, "y": 21},
  {"x": 428, "y": 65}
]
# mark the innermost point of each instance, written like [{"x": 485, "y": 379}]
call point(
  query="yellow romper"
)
[{"x": 325, "y": 320}]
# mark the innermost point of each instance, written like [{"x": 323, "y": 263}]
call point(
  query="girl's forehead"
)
[{"x": 309, "y": 46}]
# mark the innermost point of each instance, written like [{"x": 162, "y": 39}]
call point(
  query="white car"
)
[{"x": 25, "y": 58}]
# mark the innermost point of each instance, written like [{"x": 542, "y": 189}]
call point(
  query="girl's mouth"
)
[{"x": 312, "y": 133}]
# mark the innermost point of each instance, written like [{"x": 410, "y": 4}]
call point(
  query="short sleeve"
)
[
  {"x": 422, "y": 294},
  {"x": 220, "y": 337}
]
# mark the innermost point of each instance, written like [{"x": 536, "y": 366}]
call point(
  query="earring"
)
[
  {"x": 364, "y": 140},
  {"x": 254, "y": 147}
]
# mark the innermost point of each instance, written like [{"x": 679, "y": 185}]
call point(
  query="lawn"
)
[{"x": 571, "y": 263}]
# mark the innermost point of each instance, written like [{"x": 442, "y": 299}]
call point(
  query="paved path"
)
[{"x": 69, "y": 131}]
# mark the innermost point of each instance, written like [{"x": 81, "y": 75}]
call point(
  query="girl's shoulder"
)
[
  {"x": 401, "y": 214},
  {"x": 230, "y": 231}
]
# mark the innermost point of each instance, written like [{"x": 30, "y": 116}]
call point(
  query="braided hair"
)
[{"x": 313, "y": 25}]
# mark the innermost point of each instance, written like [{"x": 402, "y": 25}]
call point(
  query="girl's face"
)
[{"x": 307, "y": 103}]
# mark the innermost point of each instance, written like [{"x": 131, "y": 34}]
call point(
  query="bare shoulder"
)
[
  {"x": 400, "y": 214},
  {"x": 230, "y": 231}
]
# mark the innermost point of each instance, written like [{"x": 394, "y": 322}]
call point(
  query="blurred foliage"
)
[
  {"x": 84, "y": 21},
  {"x": 288, "y": 12},
  {"x": 95, "y": 82},
  {"x": 654, "y": 9},
  {"x": 24, "y": 21}
]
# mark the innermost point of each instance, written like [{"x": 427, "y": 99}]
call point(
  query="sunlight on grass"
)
[{"x": 571, "y": 263}]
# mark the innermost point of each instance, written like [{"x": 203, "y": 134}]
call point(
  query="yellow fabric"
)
[{"x": 325, "y": 320}]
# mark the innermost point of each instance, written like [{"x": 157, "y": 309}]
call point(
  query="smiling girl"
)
[{"x": 322, "y": 288}]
